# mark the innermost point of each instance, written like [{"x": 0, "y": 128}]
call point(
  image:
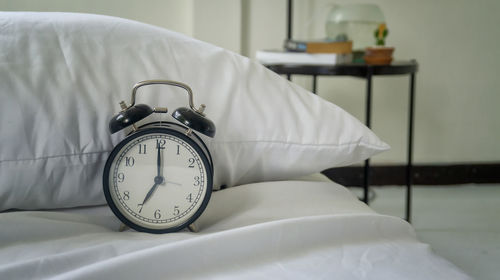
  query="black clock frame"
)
[{"x": 165, "y": 129}]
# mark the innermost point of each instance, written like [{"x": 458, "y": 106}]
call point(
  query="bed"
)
[{"x": 63, "y": 76}]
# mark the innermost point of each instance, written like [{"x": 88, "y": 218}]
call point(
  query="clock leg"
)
[
  {"x": 193, "y": 228},
  {"x": 123, "y": 227}
]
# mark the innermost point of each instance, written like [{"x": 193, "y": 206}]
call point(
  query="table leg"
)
[
  {"x": 366, "y": 179},
  {"x": 314, "y": 84},
  {"x": 409, "y": 166}
]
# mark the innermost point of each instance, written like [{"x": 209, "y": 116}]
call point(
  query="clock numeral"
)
[
  {"x": 140, "y": 205},
  {"x": 190, "y": 198},
  {"x": 191, "y": 163},
  {"x": 157, "y": 214},
  {"x": 176, "y": 211},
  {"x": 196, "y": 181},
  {"x": 120, "y": 177},
  {"x": 142, "y": 149},
  {"x": 160, "y": 143},
  {"x": 126, "y": 195},
  {"x": 129, "y": 161},
  {"x": 178, "y": 150}
]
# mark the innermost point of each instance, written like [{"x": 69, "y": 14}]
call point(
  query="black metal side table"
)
[{"x": 367, "y": 72}]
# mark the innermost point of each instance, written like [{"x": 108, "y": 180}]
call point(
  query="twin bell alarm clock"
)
[{"x": 159, "y": 178}]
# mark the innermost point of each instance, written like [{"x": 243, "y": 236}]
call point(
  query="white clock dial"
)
[{"x": 158, "y": 181}]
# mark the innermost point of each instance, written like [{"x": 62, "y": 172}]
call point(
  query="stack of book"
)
[{"x": 308, "y": 53}]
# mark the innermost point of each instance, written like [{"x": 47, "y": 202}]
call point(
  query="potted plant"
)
[{"x": 379, "y": 54}]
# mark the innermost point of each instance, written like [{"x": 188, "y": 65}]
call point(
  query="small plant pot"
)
[{"x": 378, "y": 55}]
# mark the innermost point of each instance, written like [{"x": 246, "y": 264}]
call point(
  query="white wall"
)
[
  {"x": 456, "y": 43},
  {"x": 218, "y": 22},
  {"x": 173, "y": 14}
]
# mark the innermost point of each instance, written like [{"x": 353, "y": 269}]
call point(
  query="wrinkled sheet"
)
[{"x": 274, "y": 230}]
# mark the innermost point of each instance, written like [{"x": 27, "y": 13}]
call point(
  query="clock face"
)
[{"x": 157, "y": 180}]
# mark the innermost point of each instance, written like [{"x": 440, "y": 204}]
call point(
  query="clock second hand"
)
[{"x": 173, "y": 183}]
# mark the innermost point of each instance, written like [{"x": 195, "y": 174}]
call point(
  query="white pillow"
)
[
  {"x": 271, "y": 201},
  {"x": 62, "y": 77}
]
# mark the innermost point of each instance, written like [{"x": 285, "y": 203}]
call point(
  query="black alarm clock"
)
[{"x": 159, "y": 178}]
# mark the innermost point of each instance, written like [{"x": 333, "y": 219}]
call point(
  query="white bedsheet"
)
[{"x": 275, "y": 230}]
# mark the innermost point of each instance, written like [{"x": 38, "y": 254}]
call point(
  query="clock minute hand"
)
[{"x": 158, "y": 162}]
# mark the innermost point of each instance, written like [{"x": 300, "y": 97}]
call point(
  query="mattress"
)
[{"x": 272, "y": 230}]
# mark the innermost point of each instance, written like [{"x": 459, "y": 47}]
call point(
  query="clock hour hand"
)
[{"x": 149, "y": 194}]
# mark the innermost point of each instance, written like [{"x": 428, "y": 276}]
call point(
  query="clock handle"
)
[
  {"x": 170, "y": 83},
  {"x": 191, "y": 117}
]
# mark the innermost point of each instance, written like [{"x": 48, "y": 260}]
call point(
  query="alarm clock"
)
[{"x": 159, "y": 178}]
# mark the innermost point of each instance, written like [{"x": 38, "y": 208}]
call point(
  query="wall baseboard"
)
[{"x": 479, "y": 173}]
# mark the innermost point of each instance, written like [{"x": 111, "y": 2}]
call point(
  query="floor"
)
[{"x": 461, "y": 223}]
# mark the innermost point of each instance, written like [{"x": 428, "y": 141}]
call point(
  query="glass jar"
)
[{"x": 355, "y": 22}]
